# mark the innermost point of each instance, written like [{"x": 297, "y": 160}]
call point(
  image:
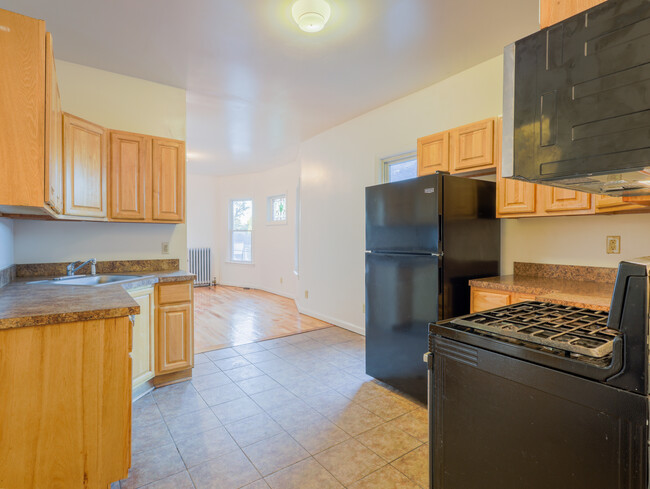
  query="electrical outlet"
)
[
  {"x": 165, "y": 247},
  {"x": 281, "y": 280},
  {"x": 306, "y": 294},
  {"x": 613, "y": 245}
]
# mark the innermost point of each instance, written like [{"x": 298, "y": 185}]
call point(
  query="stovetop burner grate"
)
[{"x": 571, "y": 329}]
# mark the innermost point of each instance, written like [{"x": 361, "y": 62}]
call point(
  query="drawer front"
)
[
  {"x": 483, "y": 299},
  {"x": 174, "y": 293}
]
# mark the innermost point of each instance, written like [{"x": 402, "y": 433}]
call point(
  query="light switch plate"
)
[{"x": 165, "y": 247}]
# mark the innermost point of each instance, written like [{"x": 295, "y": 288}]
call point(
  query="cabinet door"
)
[
  {"x": 554, "y": 11},
  {"x": 518, "y": 297},
  {"x": 130, "y": 169},
  {"x": 484, "y": 299},
  {"x": 84, "y": 147},
  {"x": 560, "y": 200},
  {"x": 168, "y": 180},
  {"x": 472, "y": 147},
  {"x": 174, "y": 350},
  {"x": 22, "y": 110},
  {"x": 143, "y": 338},
  {"x": 433, "y": 153},
  {"x": 53, "y": 134}
]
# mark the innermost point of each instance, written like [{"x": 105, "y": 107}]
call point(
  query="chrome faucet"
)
[{"x": 72, "y": 269}]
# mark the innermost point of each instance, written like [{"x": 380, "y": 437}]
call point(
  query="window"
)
[
  {"x": 277, "y": 209},
  {"x": 400, "y": 167},
  {"x": 241, "y": 231}
]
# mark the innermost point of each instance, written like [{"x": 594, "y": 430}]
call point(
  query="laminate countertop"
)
[
  {"x": 588, "y": 287},
  {"x": 24, "y": 303}
]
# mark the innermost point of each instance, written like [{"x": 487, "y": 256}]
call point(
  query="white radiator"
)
[{"x": 199, "y": 263}]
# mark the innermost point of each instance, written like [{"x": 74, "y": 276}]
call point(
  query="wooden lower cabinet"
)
[
  {"x": 484, "y": 299},
  {"x": 174, "y": 328},
  {"x": 65, "y": 402},
  {"x": 143, "y": 337}
]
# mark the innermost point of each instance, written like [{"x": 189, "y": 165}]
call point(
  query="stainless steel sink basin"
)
[{"x": 92, "y": 280}]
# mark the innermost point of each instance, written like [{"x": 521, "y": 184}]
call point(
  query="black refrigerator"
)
[{"x": 425, "y": 239}]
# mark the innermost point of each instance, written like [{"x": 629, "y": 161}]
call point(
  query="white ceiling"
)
[{"x": 256, "y": 84}]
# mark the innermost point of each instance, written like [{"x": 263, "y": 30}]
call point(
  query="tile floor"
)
[{"x": 294, "y": 412}]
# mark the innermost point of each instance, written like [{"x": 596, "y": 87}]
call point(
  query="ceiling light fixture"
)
[{"x": 311, "y": 15}]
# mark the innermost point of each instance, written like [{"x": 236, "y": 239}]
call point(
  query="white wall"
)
[
  {"x": 6, "y": 243},
  {"x": 273, "y": 245},
  {"x": 338, "y": 164},
  {"x": 116, "y": 102}
]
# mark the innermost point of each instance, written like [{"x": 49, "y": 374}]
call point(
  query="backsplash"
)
[
  {"x": 117, "y": 266},
  {"x": 568, "y": 272},
  {"x": 7, "y": 275}
]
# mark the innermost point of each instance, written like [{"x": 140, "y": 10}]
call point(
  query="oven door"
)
[{"x": 504, "y": 423}]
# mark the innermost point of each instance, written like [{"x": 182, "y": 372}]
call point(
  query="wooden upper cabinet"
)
[
  {"x": 84, "y": 147},
  {"x": 554, "y": 11},
  {"x": 563, "y": 200},
  {"x": 168, "y": 180},
  {"x": 472, "y": 147},
  {"x": 433, "y": 153},
  {"x": 514, "y": 197},
  {"x": 130, "y": 176},
  {"x": 22, "y": 114},
  {"x": 53, "y": 134}
]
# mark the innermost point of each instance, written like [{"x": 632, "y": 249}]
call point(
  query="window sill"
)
[{"x": 239, "y": 262}]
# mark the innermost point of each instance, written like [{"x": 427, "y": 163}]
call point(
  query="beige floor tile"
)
[
  {"x": 285, "y": 350},
  {"x": 222, "y": 353},
  {"x": 229, "y": 412},
  {"x": 355, "y": 419},
  {"x": 274, "y": 366},
  {"x": 287, "y": 375},
  {"x": 249, "y": 348},
  {"x": 275, "y": 453},
  {"x": 253, "y": 429},
  {"x": 308, "y": 474},
  {"x": 274, "y": 398},
  {"x": 222, "y": 393},
  {"x": 349, "y": 461},
  {"x": 385, "y": 478},
  {"x": 153, "y": 465},
  {"x": 260, "y": 484},
  {"x": 295, "y": 414},
  {"x": 328, "y": 403},
  {"x": 306, "y": 386},
  {"x": 415, "y": 465},
  {"x": 210, "y": 381},
  {"x": 230, "y": 471},
  {"x": 243, "y": 373},
  {"x": 192, "y": 423},
  {"x": 318, "y": 435},
  {"x": 200, "y": 358},
  {"x": 145, "y": 412},
  {"x": 360, "y": 391},
  {"x": 178, "y": 399},
  {"x": 181, "y": 480},
  {"x": 205, "y": 446},
  {"x": 204, "y": 369},
  {"x": 388, "y": 406},
  {"x": 388, "y": 442},
  {"x": 231, "y": 363},
  {"x": 148, "y": 437},
  {"x": 258, "y": 384},
  {"x": 261, "y": 356},
  {"x": 414, "y": 423}
]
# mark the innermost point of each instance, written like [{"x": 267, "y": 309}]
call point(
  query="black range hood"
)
[{"x": 577, "y": 102}]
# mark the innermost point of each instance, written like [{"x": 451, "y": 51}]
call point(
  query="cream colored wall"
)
[
  {"x": 117, "y": 102},
  {"x": 273, "y": 245},
  {"x": 338, "y": 164},
  {"x": 6, "y": 243}
]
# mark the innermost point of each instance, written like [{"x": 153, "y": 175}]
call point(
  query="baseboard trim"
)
[
  {"x": 328, "y": 319},
  {"x": 264, "y": 289}
]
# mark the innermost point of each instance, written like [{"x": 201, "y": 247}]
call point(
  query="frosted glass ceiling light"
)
[{"x": 311, "y": 15}]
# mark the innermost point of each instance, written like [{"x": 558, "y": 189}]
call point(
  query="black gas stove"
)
[{"x": 517, "y": 390}]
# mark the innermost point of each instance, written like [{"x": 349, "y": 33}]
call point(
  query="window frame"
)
[
  {"x": 231, "y": 230},
  {"x": 269, "y": 209},
  {"x": 386, "y": 163}
]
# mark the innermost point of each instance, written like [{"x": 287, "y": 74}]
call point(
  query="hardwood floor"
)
[{"x": 230, "y": 316}]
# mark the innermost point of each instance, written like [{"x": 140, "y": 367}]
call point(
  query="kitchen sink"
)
[{"x": 91, "y": 280}]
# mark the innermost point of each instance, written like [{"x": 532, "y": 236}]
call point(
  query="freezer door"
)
[
  {"x": 402, "y": 297},
  {"x": 404, "y": 216}
]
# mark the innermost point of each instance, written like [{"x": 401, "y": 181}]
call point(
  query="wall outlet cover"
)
[
  {"x": 613, "y": 245},
  {"x": 165, "y": 248}
]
